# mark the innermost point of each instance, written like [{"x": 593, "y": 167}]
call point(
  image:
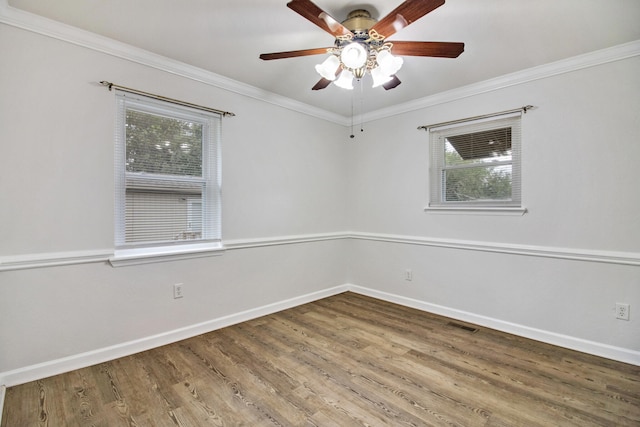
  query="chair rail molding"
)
[
  {"x": 52, "y": 259},
  {"x": 588, "y": 255}
]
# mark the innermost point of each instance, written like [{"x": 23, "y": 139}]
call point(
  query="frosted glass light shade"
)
[
  {"x": 388, "y": 63},
  {"x": 345, "y": 81},
  {"x": 329, "y": 67},
  {"x": 379, "y": 77},
  {"x": 354, "y": 55}
]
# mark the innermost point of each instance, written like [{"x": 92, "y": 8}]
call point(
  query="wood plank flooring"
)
[{"x": 347, "y": 360}]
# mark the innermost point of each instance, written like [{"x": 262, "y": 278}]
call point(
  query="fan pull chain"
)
[
  {"x": 361, "y": 104},
  {"x": 353, "y": 95},
  {"x": 352, "y": 135}
]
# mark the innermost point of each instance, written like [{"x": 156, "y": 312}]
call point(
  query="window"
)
[
  {"x": 475, "y": 165},
  {"x": 167, "y": 177}
]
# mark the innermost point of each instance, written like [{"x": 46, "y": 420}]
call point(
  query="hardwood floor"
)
[{"x": 341, "y": 361}]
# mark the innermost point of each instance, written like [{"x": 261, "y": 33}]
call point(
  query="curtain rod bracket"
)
[{"x": 110, "y": 86}]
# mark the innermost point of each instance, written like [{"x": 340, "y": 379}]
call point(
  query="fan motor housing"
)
[{"x": 359, "y": 20}]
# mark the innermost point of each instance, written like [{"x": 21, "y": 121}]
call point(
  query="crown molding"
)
[
  {"x": 591, "y": 59},
  {"x": 50, "y": 28},
  {"x": 57, "y": 30}
]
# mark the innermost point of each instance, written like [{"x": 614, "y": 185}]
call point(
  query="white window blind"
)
[
  {"x": 476, "y": 163},
  {"x": 167, "y": 169}
]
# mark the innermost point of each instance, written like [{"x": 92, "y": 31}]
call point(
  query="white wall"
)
[
  {"x": 581, "y": 160},
  {"x": 289, "y": 175},
  {"x": 283, "y": 175}
]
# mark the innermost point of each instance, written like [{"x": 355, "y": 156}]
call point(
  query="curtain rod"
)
[
  {"x": 111, "y": 86},
  {"x": 452, "y": 122}
]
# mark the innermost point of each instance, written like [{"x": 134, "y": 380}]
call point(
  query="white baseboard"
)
[
  {"x": 58, "y": 366},
  {"x": 595, "y": 348},
  {"x": 70, "y": 363}
]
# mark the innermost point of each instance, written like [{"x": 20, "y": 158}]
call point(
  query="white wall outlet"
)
[
  {"x": 408, "y": 275},
  {"x": 622, "y": 311},
  {"x": 177, "y": 290}
]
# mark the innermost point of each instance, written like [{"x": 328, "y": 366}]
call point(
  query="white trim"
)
[
  {"x": 484, "y": 210},
  {"x": 66, "y": 364},
  {"x": 136, "y": 256},
  {"x": 592, "y": 59},
  {"x": 3, "y": 393},
  {"x": 47, "y": 27},
  {"x": 53, "y": 259},
  {"x": 78, "y": 361},
  {"x": 28, "y": 261},
  {"x": 282, "y": 240},
  {"x": 591, "y": 347},
  {"x": 124, "y": 258},
  {"x": 57, "y": 30},
  {"x": 611, "y": 257}
]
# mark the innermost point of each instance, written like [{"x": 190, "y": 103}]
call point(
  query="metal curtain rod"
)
[
  {"x": 164, "y": 98},
  {"x": 452, "y": 122}
]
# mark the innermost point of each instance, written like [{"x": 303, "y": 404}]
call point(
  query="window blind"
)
[
  {"x": 167, "y": 170},
  {"x": 476, "y": 162}
]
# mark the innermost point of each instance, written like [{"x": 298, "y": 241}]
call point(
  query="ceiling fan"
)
[{"x": 361, "y": 44}]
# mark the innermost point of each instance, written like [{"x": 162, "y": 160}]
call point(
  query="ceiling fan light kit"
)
[
  {"x": 379, "y": 77},
  {"x": 345, "y": 81},
  {"x": 360, "y": 44},
  {"x": 329, "y": 67},
  {"x": 354, "y": 56},
  {"x": 361, "y": 56}
]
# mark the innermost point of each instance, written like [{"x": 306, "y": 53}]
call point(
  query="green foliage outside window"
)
[
  {"x": 163, "y": 145},
  {"x": 480, "y": 181}
]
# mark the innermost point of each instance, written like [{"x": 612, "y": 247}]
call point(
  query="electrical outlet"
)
[
  {"x": 622, "y": 311},
  {"x": 177, "y": 291},
  {"x": 408, "y": 275}
]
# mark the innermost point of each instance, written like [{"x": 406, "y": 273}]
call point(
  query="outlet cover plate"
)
[
  {"x": 622, "y": 311},
  {"x": 177, "y": 291}
]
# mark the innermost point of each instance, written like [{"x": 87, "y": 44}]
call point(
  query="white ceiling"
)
[{"x": 226, "y": 37}]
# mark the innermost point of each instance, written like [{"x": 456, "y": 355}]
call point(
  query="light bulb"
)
[
  {"x": 345, "y": 81},
  {"x": 329, "y": 67},
  {"x": 354, "y": 55}
]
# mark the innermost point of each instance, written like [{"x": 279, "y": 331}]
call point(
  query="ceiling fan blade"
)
[
  {"x": 322, "y": 83},
  {"x": 294, "y": 53},
  {"x": 322, "y": 19},
  {"x": 395, "y": 81},
  {"x": 436, "y": 49},
  {"x": 405, "y": 14}
]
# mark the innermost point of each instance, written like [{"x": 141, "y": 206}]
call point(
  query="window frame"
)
[
  {"x": 210, "y": 241},
  {"x": 437, "y": 167}
]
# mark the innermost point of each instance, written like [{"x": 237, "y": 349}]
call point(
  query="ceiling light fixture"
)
[
  {"x": 360, "y": 43},
  {"x": 362, "y": 50}
]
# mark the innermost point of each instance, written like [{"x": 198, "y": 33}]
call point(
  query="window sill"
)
[
  {"x": 136, "y": 256},
  {"x": 477, "y": 210}
]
